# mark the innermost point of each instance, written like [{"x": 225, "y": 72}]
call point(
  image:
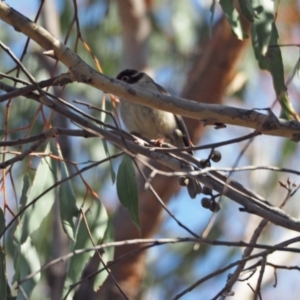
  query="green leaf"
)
[
  {"x": 287, "y": 106},
  {"x": 5, "y": 291},
  {"x": 127, "y": 189},
  {"x": 2, "y": 220},
  {"x": 275, "y": 66},
  {"x": 275, "y": 63},
  {"x": 43, "y": 179},
  {"x": 272, "y": 61},
  {"x": 104, "y": 142},
  {"x": 26, "y": 261},
  {"x": 233, "y": 18},
  {"x": 108, "y": 254},
  {"x": 25, "y": 190},
  {"x": 67, "y": 199},
  {"x": 212, "y": 10},
  {"x": 97, "y": 220},
  {"x": 3, "y": 277},
  {"x": 262, "y": 25},
  {"x": 247, "y": 10},
  {"x": 112, "y": 172}
]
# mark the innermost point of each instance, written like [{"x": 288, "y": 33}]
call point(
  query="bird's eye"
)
[{"x": 125, "y": 78}]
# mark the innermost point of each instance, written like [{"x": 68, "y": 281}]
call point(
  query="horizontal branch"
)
[
  {"x": 22, "y": 155},
  {"x": 52, "y": 132},
  {"x": 208, "y": 113},
  {"x": 250, "y": 201}
]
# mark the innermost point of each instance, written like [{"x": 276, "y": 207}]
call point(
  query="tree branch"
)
[{"x": 208, "y": 113}]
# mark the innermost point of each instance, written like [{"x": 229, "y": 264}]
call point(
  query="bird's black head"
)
[{"x": 130, "y": 76}]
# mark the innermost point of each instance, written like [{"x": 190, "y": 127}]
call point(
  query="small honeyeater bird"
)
[{"x": 153, "y": 123}]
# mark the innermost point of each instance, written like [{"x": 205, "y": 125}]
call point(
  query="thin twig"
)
[
  {"x": 257, "y": 293},
  {"x": 222, "y": 270},
  {"x": 163, "y": 204},
  {"x": 155, "y": 242},
  {"x": 100, "y": 257},
  {"x": 21, "y": 156}
]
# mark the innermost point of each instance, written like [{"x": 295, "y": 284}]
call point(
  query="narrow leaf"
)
[
  {"x": 276, "y": 69},
  {"x": 127, "y": 189},
  {"x": 25, "y": 190},
  {"x": 247, "y": 10},
  {"x": 112, "y": 172},
  {"x": 67, "y": 199},
  {"x": 102, "y": 118},
  {"x": 4, "y": 287},
  {"x": 262, "y": 25},
  {"x": 107, "y": 255},
  {"x": 26, "y": 261},
  {"x": 3, "y": 277},
  {"x": 233, "y": 18},
  {"x": 43, "y": 179},
  {"x": 212, "y": 10},
  {"x": 272, "y": 61},
  {"x": 97, "y": 220},
  {"x": 2, "y": 220},
  {"x": 5, "y": 291}
]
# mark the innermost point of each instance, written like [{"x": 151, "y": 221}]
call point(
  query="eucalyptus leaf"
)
[
  {"x": 107, "y": 255},
  {"x": 233, "y": 18},
  {"x": 3, "y": 277},
  {"x": 2, "y": 220},
  {"x": 25, "y": 190},
  {"x": 247, "y": 10},
  {"x": 112, "y": 172},
  {"x": 212, "y": 10},
  {"x": 67, "y": 199},
  {"x": 127, "y": 189},
  {"x": 104, "y": 142},
  {"x": 43, "y": 179},
  {"x": 96, "y": 225},
  {"x": 262, "y": 25},
  {"x": 272, "y": 61},
  {"x": 26, "y": 261}
]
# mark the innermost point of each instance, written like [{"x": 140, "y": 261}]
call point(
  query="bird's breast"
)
[{"x": 148, "y": 122}]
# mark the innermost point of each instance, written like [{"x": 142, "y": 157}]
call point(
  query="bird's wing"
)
[
  {"x": 179, "y": 120},
  {"x": 161, "y": 89},
  {"x": 185, "y": 135}
]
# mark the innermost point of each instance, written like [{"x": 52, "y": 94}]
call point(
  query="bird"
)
[{"x": 152, "y": 123}]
